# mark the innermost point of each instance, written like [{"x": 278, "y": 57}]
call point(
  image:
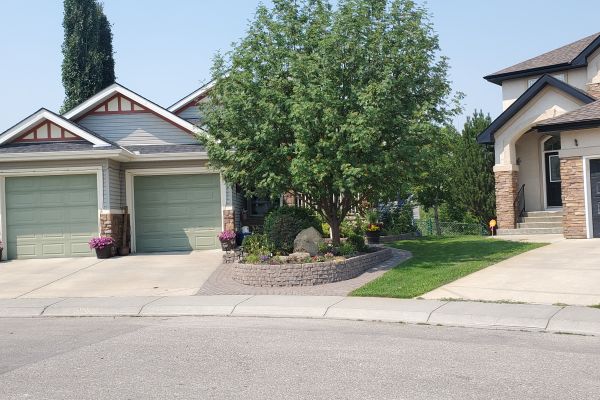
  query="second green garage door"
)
[{"x": 177, "y": 212}]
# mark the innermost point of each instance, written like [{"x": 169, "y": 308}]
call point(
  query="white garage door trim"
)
[
  {"x": 129, "y": 192},
  {"x": 41, "y": 172}
]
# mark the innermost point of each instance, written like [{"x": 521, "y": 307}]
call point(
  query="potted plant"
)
[
  {"x": 227, "y": 239},
  {"x": 373, "y": 233},
  {"x": 103, "y": 246}
]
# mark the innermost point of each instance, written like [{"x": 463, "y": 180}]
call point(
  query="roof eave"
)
[
  {"x": 499, "y": 78},
  {"x": 568, "y": 126}
]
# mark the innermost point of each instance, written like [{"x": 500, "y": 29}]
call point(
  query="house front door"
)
[
  {"x": 595, "y": 204},
  {"x": 553, "y": 191}
]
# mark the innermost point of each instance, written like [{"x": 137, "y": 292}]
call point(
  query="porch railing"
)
[{"x": 519, "y": 204}]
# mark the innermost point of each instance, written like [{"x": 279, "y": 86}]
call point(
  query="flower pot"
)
[
  {"x": 373, "y": 237},
  {"x": 1, "y": 255},
  {"x": 228, "y": 245},
  {"x": 105, "y": 252}
]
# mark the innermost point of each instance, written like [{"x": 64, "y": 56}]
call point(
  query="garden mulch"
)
[{"x": 221, "y": 282}]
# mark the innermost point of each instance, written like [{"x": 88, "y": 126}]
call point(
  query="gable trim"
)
[
  {"x": 37, "y": 119},
  {"x": 193, "y": 97},
  {"x": 91, "y": 104},
  {"x": 487, "y": 136}
]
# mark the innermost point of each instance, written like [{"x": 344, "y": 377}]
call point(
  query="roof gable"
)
[
  {"x": 572, "y": 55},
  {"x": 192, "y": 98},
  {"x": 487, "y": 136},
  {"x": 46, "y": 126},
  {"x": 104, "y": 101}
]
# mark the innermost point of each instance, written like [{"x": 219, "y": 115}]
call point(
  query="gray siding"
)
[
  {"x": 191, "y": 112},
  {"x": 116, "y": 185},
  {"x": 137, "y": 129},
  {"x": 238, "y": 206}
]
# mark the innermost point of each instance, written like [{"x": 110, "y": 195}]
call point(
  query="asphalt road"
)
[{"x": 255, "y": 358}]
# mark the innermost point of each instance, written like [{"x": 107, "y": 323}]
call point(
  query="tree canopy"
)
[
  {"x": 474, "y": 170},
  {"x": 330, "y": 103},
  {"x": 88, "y": 64}
]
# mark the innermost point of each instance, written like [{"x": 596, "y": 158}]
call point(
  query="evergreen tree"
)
[
  {"x": 330, "y": 103},
  {"x": 474, "y": 170},
  {"x": 88, "y": 64}
]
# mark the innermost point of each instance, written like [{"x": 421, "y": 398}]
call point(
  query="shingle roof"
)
[
  {"x": 52, "y": 147},
  {"x": 587, "y": 113},
  {"x": 565, "y": 56},
  {"x": 169, "y": 148}
]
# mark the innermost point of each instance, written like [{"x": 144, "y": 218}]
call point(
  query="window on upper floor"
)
[{"x": 560, "y": 77}]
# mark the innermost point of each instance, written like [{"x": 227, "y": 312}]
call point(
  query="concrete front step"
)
[
  {"x": 540, "y": 224},
  {"x": 544, "y": 213},
  {"x": 530, "y": 231},
  {"x": 557, "y": 219}
]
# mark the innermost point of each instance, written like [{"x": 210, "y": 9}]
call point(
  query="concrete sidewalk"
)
[{"x": 569, "y": 319}]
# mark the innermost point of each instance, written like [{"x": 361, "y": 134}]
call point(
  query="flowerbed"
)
[{"x": 309, "y": 273}]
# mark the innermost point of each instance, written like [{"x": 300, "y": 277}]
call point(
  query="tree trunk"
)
[
  {"x": 335, "y": 233},
  {"x": 436, "y": 218}
]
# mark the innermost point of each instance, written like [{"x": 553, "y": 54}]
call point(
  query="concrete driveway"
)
[
  {"x": 566, "y": 271},
  {"x": 161, "y": 274}
]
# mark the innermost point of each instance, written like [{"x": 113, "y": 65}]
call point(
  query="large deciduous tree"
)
[
  {"x": 88, "y": 64},
  {"x": 333, "y": 104},
  {"x": 474, "y": 170}
]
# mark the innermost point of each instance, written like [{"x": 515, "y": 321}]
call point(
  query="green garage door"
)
[
  {"x": 51, "y": 216},
  {"x": 177, "y": 212}
]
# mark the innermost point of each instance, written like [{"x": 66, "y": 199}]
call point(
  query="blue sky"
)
[{"x": 164, "y": 49}]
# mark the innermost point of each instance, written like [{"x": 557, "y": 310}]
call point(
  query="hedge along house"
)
[
  {"x": 67, "y": 178},
  {"x": 547, "y": 143}
]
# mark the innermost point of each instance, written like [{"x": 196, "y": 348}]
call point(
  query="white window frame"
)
[
  {"x": 21, "y": 172},
  {"x": 130, "y": 174},
  {"x": 550, "y": 178}
]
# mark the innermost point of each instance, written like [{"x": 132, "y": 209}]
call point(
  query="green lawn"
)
[{"x": 438, "y": 261}]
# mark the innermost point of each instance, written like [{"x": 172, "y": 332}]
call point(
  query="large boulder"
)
[{"x": 308, "y": 241}]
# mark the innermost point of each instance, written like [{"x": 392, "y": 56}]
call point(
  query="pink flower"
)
[
  {"x": 226, "y": 236},
  {"x": 101, "y": 242}
]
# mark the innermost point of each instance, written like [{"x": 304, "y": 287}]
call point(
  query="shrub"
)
[
  {"x": 283, "y": 224},
  {"x": 357, "y": 242},
  {"x": 398, "y": 220},
  {"x": 347, "y": 249},
  {"x": 257, "y": 245}
]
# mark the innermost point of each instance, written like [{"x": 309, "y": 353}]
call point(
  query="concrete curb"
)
[{"x": 536, "y": 317}]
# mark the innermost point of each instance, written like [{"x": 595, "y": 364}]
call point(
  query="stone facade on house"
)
[
  {"x": 574, "y": 219},
  {"x": 506, "y": 191}
]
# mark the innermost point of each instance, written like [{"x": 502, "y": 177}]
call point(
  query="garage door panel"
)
[
  {"x": 177, "y": 213},
  {"x": 57, "y": 219}
]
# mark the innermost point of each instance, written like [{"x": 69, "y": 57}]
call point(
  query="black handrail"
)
[{"x": 519, "y": 204}]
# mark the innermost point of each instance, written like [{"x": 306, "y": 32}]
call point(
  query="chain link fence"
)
[{"x": 426, "y": 227}]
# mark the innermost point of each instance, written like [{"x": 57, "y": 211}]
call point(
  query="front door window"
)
[
  {"x": 552, "y": 172},
  {"x": 595, "y": 186}
]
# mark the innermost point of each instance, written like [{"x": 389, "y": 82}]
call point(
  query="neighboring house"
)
[
  {"x": 547, "y": 143},
  {"x": 67, "y": 178}
]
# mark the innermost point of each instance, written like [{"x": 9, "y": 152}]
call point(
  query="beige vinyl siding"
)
[{"x": 137, "y": 129}]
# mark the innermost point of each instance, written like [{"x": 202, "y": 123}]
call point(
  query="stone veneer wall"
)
[
  {"x": 309, "y": 274},
  {"x": 228, "y": 220},
  {"x": 571, "y": 173},
  {"x": 112, "y": 226},
  {"x": 506, "y": 191}
]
